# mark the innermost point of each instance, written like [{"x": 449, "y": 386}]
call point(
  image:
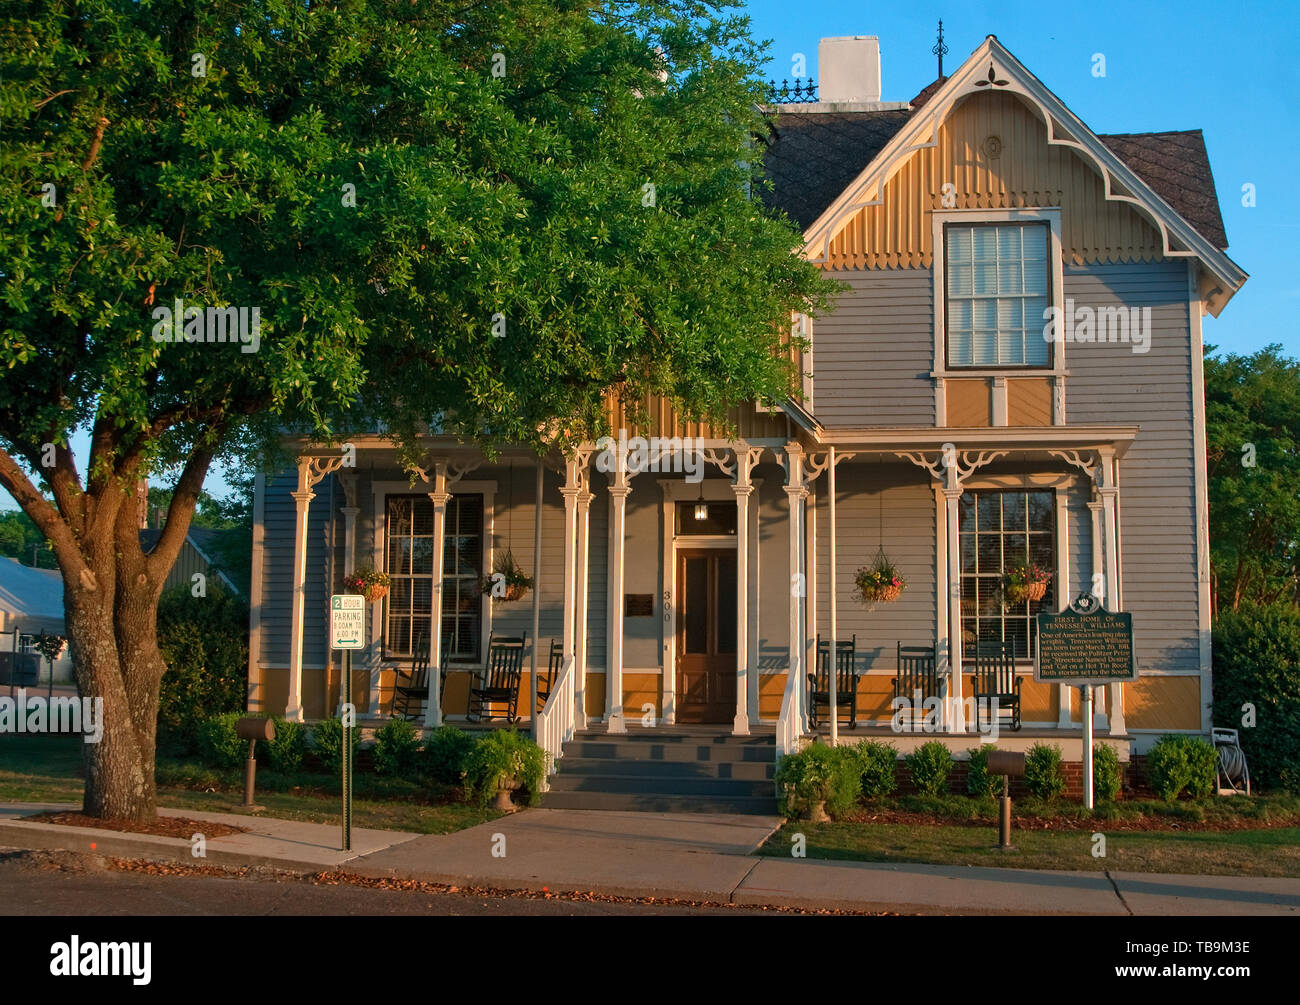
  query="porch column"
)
[
  {"x": 942, "y": 656},
  {"x": 439, "y": 497},
  {"x": 571, "y": 490},
  {"x": 796, "y": 492},
  {"x": 580, "y": 614},
  {"x": 302, "y": 499},
  {"x": 619, "y": 490},
  {"x": 742, "y": 488},
  {"x": 1108, "y": 489},
  {"x": 1098, "y": 583},
  {"x": 957, "y": 712}
]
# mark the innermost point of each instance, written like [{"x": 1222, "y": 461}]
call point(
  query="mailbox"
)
[
  {"x": 1010, "y": 763},
  {"x": 259, "y": 728}
]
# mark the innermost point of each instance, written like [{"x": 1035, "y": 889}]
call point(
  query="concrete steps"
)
[{"x": 666, "y": 771}]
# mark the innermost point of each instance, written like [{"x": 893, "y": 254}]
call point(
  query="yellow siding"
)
[
  {"x": 1163, "y": 703},
  {"x": 968, "y": 402},
  {"x": 1029, "y": 401},
  {"x": 661, "y": 419},
  {"x": 1026, "y": 172}
]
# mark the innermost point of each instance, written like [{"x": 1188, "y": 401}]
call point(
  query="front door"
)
[{"x": 706, "y": 636}]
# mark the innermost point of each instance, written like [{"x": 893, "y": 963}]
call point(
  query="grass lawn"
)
[
  {"x": 1245, "y": 851},
  {"x": 48, "y": 769}
]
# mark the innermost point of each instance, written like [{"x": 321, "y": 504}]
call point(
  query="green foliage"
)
[
  {"x": 1257, "y": 664},
  {"x": 20, "y": 539},
  {"x": 1044, "y": 775},
  {"x": 204, "y": 642},
  {"x": 285, "y": 752},
  {"x": 878, "y": 768},
  {"x": 819, "y": 773},
  {"x": 929, "y": 766},
  {"x": 1106, "y": 777},
  {"x": 445, "y": 751},
  {"x": 219, "y": 744},
  {"x": 979, "y": 782},
  {"x": 327, "y": 744},
  {"x": 1252, "y": 411},
  {"x": 501, "y": 755},
  {"x": 1179, "y": 762},
  {"x": 397, "y": 748}
]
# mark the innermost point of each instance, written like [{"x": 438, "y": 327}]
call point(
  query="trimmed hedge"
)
[
  {"x": 979, "y": 783},
  {"x": 219, "y": 745},
  {"x": 1180, "y": 762},
  {"x": 929, "y": 766},
  {"x": 397, "y": 749},
  {"x": 327, "y": 744},
  {"x": 1106, "y": 777},
  {"x": 445, "y": 751},
  {"x": 1257, "y": 666},
  {"x": 1044, "y": 775},
  {"x": 878, "y": 768}
]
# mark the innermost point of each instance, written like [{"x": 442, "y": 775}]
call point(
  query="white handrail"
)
[
  {"x": 555, "y": 725},
  {"x": 788, "y": 731}
]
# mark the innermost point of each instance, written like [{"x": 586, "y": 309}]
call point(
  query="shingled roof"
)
[{"x": 812, "y": 157}]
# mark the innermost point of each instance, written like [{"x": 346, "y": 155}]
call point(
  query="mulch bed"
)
[
  {"x": 176, "y": 827},
  {"x": 1143, "y": 822}
]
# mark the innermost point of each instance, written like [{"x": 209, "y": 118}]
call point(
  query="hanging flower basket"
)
[
  {"x": 369, "y": 583},
  {"x": 508, "y": 582},
  {"x": 1025, "y": 583},
  {"x": 880, "y": 582}
]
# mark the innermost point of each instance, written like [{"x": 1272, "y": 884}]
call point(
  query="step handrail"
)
[
  {"x": 788, "y": 726},
  {"x": 554, "y": 725}
]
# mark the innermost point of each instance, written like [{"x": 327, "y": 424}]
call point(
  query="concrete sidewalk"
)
[{"x": 697, "y": 857}]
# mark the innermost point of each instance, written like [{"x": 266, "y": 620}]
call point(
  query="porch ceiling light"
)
[{"x": 701, "y": 507}]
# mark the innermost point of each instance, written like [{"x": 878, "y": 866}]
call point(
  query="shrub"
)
[
  {"x": 445, "y": 750},
  {"x": 219, "y": 744},
  {"x": 1044, "y": 776},
  {"x": 501, "y": 754},
  {"x": 929, "y": 765},
  {"x": 204, "y": 642},
  {"x": 286, "y": 751},
  {"x": 819, "y": 773},
  {"x": 878, "y": 768},
  {"x": 979, "y": 783},
  {"x": 327, "y": 742},
  {"x": 1106, "y": 776},
  {"x": 1257, "y": 663},
  {"x": 1179, "y": 762},
  {"x": 397, "y": 745}
]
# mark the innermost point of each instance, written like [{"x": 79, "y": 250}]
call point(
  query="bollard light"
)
[
  {"x": 252, "y": 729},
  {"x": 1009, "y": 764}
]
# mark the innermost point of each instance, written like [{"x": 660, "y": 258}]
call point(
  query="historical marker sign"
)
[
  {"x": 347, "y": 621},
  {"x": 1085, "y": 645}
]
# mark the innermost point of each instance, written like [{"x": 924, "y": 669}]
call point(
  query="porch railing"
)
[
  {"x": 555, "y": 722},
  {"x": 789, "y": 726}
]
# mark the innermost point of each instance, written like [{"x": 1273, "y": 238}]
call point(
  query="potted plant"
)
[
  {"x": 1025, "y": 583},
  {"x": 499, "y": 764},
  {"x": 369, "y": 582},
  {"x": 508, "y": 581},
  {"x": 880, "y": 582}
]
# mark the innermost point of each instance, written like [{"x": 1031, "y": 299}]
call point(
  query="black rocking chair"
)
[
  {"x": 846, "y": 681},
  {"x": 546, "y": 679},
  {"x": 411, "y": 689},
  {"x": 918, "y": 678},
  {"x": 499, "y": 685},
  {"x": 995, "y": 678}
]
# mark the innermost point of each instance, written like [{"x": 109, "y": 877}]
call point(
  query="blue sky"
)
[{"x": 1229, "y": 70}]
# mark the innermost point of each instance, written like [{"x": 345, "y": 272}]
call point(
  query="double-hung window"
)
[
  {"x": 997, "y": 290},
  {"x": 409, "y": 605}
]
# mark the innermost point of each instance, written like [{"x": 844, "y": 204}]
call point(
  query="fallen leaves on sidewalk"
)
[{"x": 177, "y": 827}]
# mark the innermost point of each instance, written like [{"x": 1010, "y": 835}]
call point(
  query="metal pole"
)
[
  {"x": 537, "y": 597},
  {"x": 835, "y": 643},
  {"x": 347, "y": 749},
  {"x": 1004, "y": 817},
  {"x": 1085, "y": 700}
]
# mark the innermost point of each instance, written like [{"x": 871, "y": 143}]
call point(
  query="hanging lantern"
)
[{"x": 701, "y": 507}]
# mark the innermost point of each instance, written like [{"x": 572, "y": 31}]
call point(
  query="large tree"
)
[
  {"x": 1252, "y": 412},
  {"x": 483, "y": 215}
]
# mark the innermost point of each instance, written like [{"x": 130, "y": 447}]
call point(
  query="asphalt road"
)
[{"x": 36, "y": 883}]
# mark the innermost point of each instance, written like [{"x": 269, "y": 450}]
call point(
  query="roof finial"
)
[{"x": 939, "y": 49}]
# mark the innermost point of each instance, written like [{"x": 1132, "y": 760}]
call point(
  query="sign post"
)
[
  {"x": 1085, "y": 646},
  {"x": 347, "y": 632}
]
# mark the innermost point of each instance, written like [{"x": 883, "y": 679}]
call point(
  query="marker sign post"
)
[
  {"x": 1085, "y": 646},
  {"x": 347, "y": 632}
]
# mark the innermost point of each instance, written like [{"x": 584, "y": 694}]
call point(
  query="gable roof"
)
[
  {"x": 33, "y": 598},
  {"x": 202, "y": 539},
  {"x": 1165, "y": 175}
]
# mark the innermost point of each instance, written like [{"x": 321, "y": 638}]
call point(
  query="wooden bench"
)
[
  {"x": 995, "y": 678},
  {"x": 499, "y": 685},
  {"x": 846, "y": 681}
]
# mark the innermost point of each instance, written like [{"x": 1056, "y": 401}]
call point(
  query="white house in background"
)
[{"x": 31, "y": 601}]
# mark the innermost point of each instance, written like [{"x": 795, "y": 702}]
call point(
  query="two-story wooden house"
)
[{"x": 1012, "y": 375}]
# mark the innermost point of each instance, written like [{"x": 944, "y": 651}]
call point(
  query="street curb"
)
[{"x": 60, "y": 837}]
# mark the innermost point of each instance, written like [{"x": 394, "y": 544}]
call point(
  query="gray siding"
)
[
  {"x": 1157, "y": 494},
  {"x": 872, "y": 355}
]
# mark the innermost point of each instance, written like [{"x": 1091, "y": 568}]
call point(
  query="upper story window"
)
[{"x": 997, "y": 292}]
